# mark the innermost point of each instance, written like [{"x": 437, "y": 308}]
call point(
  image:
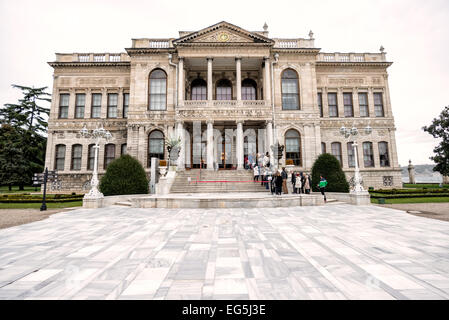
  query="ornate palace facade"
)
[{"x": 228, "y": 94}]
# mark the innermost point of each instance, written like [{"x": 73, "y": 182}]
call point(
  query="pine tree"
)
[
  {"x": 440, "y": 129},
  {"x": 22, "y": 143}
]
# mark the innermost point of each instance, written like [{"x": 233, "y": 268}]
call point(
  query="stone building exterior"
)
[{"x": 228, "y": 94}]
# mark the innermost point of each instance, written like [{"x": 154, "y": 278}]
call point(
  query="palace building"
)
[{"x": 228, "y": 94}]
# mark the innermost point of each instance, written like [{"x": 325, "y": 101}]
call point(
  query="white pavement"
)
[{"x": 326, "y": 252}]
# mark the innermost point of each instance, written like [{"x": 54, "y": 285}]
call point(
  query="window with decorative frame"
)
[
  {"x": 91, "y": 157},
  {"x": 199, "y": 89},
  {"x": 80, "y": 102},
  {"x": 333, "y": 104},
  {"x": 125, "y": 105},
  {"x": 363, "y": 104},
  {"x": 336, "y": 151},
  {"x": 293, "y": 147},
  {"x": 123, "y": 150},
  {"x": 249, "y": 89},
  {"x": 320, "y": 103},
  {"x": 109, "y": 154},
  {"x": 378, "y": 104},
  {"x": 223, "y": 90},
  {"x": 290, "y": 90},
  {"x": 77, "y": 151},
  {"x": 64, "y": 105},
  {"x": 348, "y": 105},
  {"x": 60, "y": 157},
  {"x": 96, "y": 105},
  {"x": 323, "y": 147},
  {"x": 157, "y": 93},
  {"x": 112, "y": 105},
  {"x": 368, "y": 155},
  {"x": 156, "y": 146},
  {"x": 384, "y": 157}
]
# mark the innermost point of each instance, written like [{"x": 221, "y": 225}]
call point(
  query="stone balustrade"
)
[
  {"x": 352, "y": 57},
  {"x": 92, "y": 57}
]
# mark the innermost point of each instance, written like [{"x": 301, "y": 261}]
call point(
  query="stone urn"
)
[{"x": 174, "y": 153}]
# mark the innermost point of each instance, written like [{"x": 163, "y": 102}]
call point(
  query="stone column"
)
[
  {"x": 88, "y": 104},
  {"x": 341, "y": 105},
  {"x": 142, "y": 142},
  {"x": 325, "y": 103},
  {"x": 49, "y": 153},
  {"x": 371, "y": 103},
  {"x": 355, "y": 102},
  {"x": 267, "y": 80},
  {"x": 210, "y": 145},
  {"x": 181, "y": 81},
  {"x": 209, "y": 79},
  {"x": 411, "y": 172},
  {"x": 120, "y": 103},
  {"x": 270, "y": 141},
  {"x": 104, "y": 103},
  {"x": 239, "y": 146},
  {"x": 386, "y": 96},
  {"x": 238, "y": 68},
  {"x": 180, "y": 134},
  {"x": 72, "y": 101}
]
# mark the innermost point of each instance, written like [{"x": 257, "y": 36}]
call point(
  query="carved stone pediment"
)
[{"x": 222, "y": 32}]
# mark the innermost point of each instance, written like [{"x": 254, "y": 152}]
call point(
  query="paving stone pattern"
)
[{"x": 326, "y": 252}]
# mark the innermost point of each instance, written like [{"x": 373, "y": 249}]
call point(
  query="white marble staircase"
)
[{"x": 204, "y": 181}]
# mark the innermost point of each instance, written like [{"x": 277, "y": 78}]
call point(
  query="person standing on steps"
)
[
  {"x": 279, "y": 183},
  {"x": 256, "y": 173},
  {"x": 293, "y": 181},
  {"x": 322, "y": 185},
  {"x": 307, "y": 184},
  {"x": 284, "y": 181}
]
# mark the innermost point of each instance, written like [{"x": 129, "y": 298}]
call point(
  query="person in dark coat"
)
[
  {"x": 278, "y": 182},
  {"x": 294, "y": 181},
  {"x": 302, "y": 177}
]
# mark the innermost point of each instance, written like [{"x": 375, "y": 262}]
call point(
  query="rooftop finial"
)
[
  {"x": 311, "y": 35},
  {"x": 382, "y": 49},
  {"x": 265, "y": 27}
]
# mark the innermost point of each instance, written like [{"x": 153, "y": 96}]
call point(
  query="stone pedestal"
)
[
  {"x": 91, "y": 203},
  {"x": 360, "y": 198},
  {"x": 165, "y": 183}
]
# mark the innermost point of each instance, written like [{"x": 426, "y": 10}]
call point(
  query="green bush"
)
[
  {"x": 410, "y": 191},
  {"x": 404, "y": 196},
  {"x": 124, "y": 175},
  {"x": 329, "y": 167}
]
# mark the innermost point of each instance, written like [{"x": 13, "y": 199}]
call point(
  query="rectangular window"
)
[
  {"x": 96, "y": 105},
  {"x": 112, "y": 105},
  {"x": 125, "y": 105},
  {"x": 109, "y": 154},
  {"x": 64, "y": 106},
  {"x": 323, "y": 147},
  {"x": 378, "y": 105},
  {"x": 363, "y": 104},
  {"x": 336, "y": 151},
  {"x": 384, "y": 158},
  {"x": 320, "y": 103},
  {"x": 80, "y": 102},
  {"x": 351, "y": 158},
  {"x": 333, "y": 105},
  {"x": 347, "y": 101},
  {"x": 124, "y": 148},
  {"x": 76, "y": 157},
  {"x": 368, "y": 156},
  {"x": 60, "y": 157},
  {"x": 91, "y": 157}
]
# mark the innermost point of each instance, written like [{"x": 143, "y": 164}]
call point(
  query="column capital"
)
[
  {"x": 240, "y": 121},
  {"x": 209, "y": 58},
  {"x": 266, "y": 58},
  {"x": 269, "y": 122},
  {"x": 180, "y": 58},
  {"x": 178, "y": 122},
  {"x": 209, "y": 121},
  {"x": 238, "y": 58}
]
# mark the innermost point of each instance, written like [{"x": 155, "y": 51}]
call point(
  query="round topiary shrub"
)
[
  {"x": 124, "y": 175},
  {"x": 329, "y": 167}
]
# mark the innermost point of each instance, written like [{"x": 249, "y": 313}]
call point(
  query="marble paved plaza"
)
[{"x": 335, "y": 251}]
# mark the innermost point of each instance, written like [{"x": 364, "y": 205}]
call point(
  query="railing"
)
[
  {"x": 352, "y": 57},
  {"x": 223, "y": 103},
  {"x": 159, "y": 44}
]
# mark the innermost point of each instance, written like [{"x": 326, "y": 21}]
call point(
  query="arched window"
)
[
  {"x": 336, "y": 151},
  {"x": 155, "y": 146},
  {"x": 368, "y": 156},
  {"x": 290, "y": 90},
  {"x": 109, "y": 154},
  {"x": 351, "y": 157},
  {"x": 384, "y": 158},
  {"x": 158, "y": 90},
  {"x": 60, "y": 157},
  {"x": 77, "y": 151},
  {"x": 249, "y": 89},
  {"x": 91, "y": 157},
  {"x": 293, "y": 147},
  {"x": 224, "y": 90},
  {"x": 199, "y": 89}
]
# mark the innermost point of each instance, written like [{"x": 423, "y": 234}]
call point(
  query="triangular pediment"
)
[{"x": 222, "y": 32}]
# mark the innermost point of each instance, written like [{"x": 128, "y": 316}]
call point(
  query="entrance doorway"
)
[{"x": 225, "y": 149}]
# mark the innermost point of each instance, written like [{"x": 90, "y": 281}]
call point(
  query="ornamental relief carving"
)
[
  {"x": 220, "y": 113},
  {"x": 218, "y": 37},
  {"x": 346, "y": 81}
]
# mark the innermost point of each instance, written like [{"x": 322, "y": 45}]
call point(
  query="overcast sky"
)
[{"x": 415, "y": 35}]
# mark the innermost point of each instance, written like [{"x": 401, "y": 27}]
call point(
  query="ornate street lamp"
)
[
  {"x": 96, "y": 134},
  {"x": 353, "y": 132},
  {"x": 278, "y": 153}
]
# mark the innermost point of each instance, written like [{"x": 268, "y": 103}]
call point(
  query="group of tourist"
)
[{"x": 276, "y": 182}]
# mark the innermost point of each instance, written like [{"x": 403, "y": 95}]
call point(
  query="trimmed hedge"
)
[
  {"x": 39, "y": 200},
  {"x": 401, "y": 196},
  {"x": 124, "y": 175},
  {"x": 410, "y": 191},
  {"x": 330, "y": 168}
]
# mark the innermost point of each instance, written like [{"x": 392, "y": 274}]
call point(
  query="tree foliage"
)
[
  {"x": 124, "y": 175},
  {"x": 22, "y": 143},
  {"x": 329, "y": 167},
  {"x": 440, "y": 129}
]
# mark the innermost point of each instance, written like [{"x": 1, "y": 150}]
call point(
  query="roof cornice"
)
[
  {"x": 353, "y": 64},
  {"x": 90, "y": 64}
]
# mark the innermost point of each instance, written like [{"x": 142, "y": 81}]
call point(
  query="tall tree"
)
[
  {"x": 22, "y": 140},
  {"x": 440, "y": 129}
]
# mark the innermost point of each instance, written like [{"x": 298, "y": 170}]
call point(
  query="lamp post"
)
[
  {"x": 96, "y": 134},
  {"x": 353, "y": 132}
]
